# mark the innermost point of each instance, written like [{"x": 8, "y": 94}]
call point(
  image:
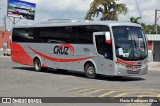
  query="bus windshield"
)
[{"x": 129, "y": 43}]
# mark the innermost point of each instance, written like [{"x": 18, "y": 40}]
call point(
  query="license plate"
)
[{"x": 134, "y": 70}]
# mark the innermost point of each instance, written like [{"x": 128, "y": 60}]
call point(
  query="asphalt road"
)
[{"x": 22, "y": 81}]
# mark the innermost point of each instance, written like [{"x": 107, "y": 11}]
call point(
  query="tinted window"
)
[
  {"x": 25, "y": 35},
  {"x": 67, "y": 34},
  {"x": 103, "y": 48},
  {"x": 101, "y": 45}
]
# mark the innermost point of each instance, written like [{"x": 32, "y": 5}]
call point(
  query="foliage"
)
[
  {"x": 32, "y": 11},
  {"x": 135, "y": 20},
  {"x": 10, "y": 7},
  {"x": 109, "y": 8},
  {"x": 150, "y": 29}
]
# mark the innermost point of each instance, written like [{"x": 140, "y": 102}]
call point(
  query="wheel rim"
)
[
  {"x": 91, "y": 71},
  {"x": 37, "y": 65}
]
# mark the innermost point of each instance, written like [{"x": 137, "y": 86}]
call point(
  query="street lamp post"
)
[
  {"x": 139, "y": 10},
  {"x": 4, "y": 19},
  {"x": 156, "y": 19}
]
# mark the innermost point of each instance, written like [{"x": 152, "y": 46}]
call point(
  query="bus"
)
[
  {"x": 20, "y": 10},
  {"x": 93, "y": 47}
]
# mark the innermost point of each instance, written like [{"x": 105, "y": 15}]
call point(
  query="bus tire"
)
[
  {"x": 118, "y": 77},
  {"x": 90, "y": 71},
  {"x": 62, "y": 71},
  {"x": 37, "y": 65}
]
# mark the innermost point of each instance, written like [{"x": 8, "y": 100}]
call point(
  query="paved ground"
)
[
  {"x": 21, "y": 81},
  {"x": 154, "y": 66}
]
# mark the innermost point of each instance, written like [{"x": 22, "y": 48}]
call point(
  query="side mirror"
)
[
  {"x": 105, "y": 55},
  {"x": 108, "y": 37}
]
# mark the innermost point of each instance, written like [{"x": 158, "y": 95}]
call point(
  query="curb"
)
[{"x": 5, "y": 56}]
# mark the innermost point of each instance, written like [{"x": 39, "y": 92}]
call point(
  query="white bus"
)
[
  {"x": 20, "y": 10},
  {"x": 94, "y": 47}
]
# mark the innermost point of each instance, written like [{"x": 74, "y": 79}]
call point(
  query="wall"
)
[
  {"x": 156, "y": 51},
  {"x": 150, "y": 49},
  {"x": 5, "y": 38},
  {"x": 149, "y": 44}
]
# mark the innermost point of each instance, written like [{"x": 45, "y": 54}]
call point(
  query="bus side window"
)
[
  {"x": 109, "y": 51},
  {"x": 101, "y": 45},
  {"x": 103, "y": 48}
]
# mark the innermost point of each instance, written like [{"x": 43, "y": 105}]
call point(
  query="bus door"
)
[{"x": 105, "y": 53}]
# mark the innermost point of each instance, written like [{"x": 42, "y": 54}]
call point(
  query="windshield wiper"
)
[
  {"x": 137, "y": 47},
  {"x": 134, "y": 45},
  {"x": 131, "y": 48}
]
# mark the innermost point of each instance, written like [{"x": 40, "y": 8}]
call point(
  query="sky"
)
[{"x": 76, "y": 9}]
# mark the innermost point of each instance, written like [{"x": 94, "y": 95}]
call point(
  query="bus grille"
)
[
  {"x": 138, "y": 65},
  {"x": 135, "y": 72}
]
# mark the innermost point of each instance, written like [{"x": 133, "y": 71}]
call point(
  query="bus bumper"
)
[{"x": 122, "y": 71}]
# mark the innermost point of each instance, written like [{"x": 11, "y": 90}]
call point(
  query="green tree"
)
[
  {"x": 135, "y": 20},
  {"x": 149, "y": 29},
  {"x": 109, "y": 8}
]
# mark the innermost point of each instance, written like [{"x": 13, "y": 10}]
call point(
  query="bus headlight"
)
[
  {"x": 144, "y": 63},
  {"x": 121, "y": 65}
]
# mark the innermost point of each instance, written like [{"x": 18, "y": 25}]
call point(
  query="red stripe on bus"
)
[
  {"x": 19, "y": 55},
  {"x": 124, "y": 62},
  {"x": 59, "y": 59}
]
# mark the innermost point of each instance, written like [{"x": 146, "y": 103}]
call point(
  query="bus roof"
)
[{"x": 50, "y": 24}]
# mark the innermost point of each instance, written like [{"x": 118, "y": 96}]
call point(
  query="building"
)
[
  {"x": 153, "y": 47},
  {"x": 5, "y": 42}
]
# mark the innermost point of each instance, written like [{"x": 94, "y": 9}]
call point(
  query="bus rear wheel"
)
[
  {"x": 90, "y": 71},
  {"x": 37, "y": 65}
]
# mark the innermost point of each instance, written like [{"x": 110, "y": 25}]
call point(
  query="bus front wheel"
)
[
  {"x": 37, "y": 65},
  {"x": 90, "y": 71}
]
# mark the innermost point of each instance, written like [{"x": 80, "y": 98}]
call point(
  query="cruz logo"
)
[{"x": 63, "y": 49}]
